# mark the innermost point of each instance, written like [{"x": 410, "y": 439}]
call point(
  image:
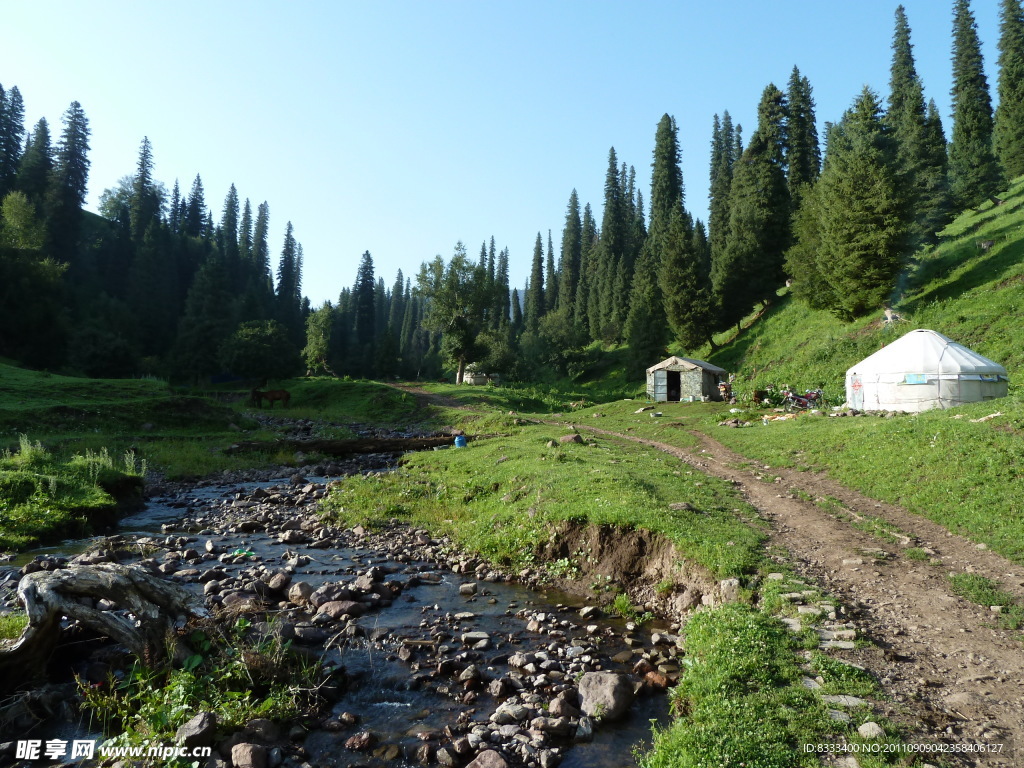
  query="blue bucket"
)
[{"x": 460, "y": 441}]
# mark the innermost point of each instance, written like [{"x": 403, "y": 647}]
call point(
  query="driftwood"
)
[
  {"x": 345, "y": 447},
  {"x": 154, "y": 605}
]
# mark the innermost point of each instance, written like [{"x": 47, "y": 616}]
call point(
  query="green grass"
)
[
  {"x": 12, "y": 625},
  {"x": 45, "y": 497},
  {"x": 740, "y": 702},
  {"x": 986, "y": 592},
  {"x": 346, "y": 400},
  {"x": 503, "y": 497},
  {"x": 236, "y": 677}
]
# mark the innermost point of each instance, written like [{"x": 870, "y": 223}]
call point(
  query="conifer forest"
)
[{"x": 183, "y": 283}]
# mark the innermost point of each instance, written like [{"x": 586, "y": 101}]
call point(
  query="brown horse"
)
[{"x": 271, "y": 395}]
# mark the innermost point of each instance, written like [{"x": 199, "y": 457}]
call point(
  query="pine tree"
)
[
  {"x": 500, "y": 297},
  {"x": 933, "y": 177},
  {"x": 1009, "y": 120},
  {"x": 585, "y": 276},
  {"x": 550, "y": 279},
  {"x": 145, "y": 205},
  {"x": 920, "y": 169},
  {"x": 206, "y": 323},
  {"x": 36, "y": 165},
  {"x": 194, "y": 224},
  {"x": 974, "y": 174},
  {"x": 751, "y": 268},
  {"x": 175, "y": 217},
  {"x": 803, "y": 156},
  {"x": 534, "y": 309},
  {"x": 68, "y": 185},
  {"x": 517, "y": 311},
  {"x": 686, "y": 283},
  {"x": 569, "y": 261},
  {"x": 288, "y": 297},
  {"x": 12, "y": 133},
  {"x": 862, "y": 216},
  {"x": 723, "y": 157},
  {"x": 364, "y": 326},
  {"x": 245, "y": 234}
]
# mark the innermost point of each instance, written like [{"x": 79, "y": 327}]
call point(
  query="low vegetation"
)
[
  {"x": 505, "y": 497},
  {"x": 44, "y": 496},
  {"x": 231, "y": 674},
  {"x": 741, "y": 702}
]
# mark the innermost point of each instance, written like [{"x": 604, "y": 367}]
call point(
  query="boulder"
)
[
  {"x": 605, "y": 695},
  {"x": 197, "y": 732}
]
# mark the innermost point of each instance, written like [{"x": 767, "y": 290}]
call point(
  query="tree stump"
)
[{"x": 153, "y": 605}]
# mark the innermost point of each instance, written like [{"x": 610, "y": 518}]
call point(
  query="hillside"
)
[{"x": 957, "y": 288}]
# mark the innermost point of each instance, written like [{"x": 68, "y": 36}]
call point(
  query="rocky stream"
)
[{"x": 446, "y": 659}]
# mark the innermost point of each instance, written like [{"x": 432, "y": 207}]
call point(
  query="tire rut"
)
[{"x": 952, "y": 675}]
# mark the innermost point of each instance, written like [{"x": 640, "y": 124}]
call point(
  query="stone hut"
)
[{"x": 680, "y": 379}]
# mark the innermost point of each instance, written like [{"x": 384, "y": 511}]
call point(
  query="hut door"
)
[
  {"x": 674, "y": 386},
  {"x": 660, "y": 386}
]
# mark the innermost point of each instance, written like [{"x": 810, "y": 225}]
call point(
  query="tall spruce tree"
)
[
  {"x": 534, "y": 308},
  {"x": 550, "y": 279},
  {"x": 751, "y": 268},
  {"x": 569, "y": 262},
  {"x": 194, "y": 223},
  {"x": 803, "y": 156},
  {"x": 920, "y": 166},
  {"x": 36, "y": 165},
  {"x": 145, "y": 204},
  {"x": 974, "y": 174},
  {"x": 723, "y": 157},
  {"x": 1009, "y": 120},
  {"x": 862, "y": 217},
  {"x": 68, "y": 186},
  {"x": 364, "y": 328},
  {"x": 646, "y": 328},
  {"x": 12, "y": 133},
  {"x": 588, "y": 243}
]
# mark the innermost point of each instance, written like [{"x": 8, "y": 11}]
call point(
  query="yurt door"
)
[
  {"x": 660, "y": 386},
  {"x": 856, "y": 392}
]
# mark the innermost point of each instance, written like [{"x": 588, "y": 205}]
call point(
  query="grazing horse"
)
[{"x": 271, "y": 395}]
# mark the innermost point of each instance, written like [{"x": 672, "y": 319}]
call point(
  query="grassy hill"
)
[{"x": 972, "y": 295}]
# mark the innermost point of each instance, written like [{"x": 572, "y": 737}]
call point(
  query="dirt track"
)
[{"x": 939, "y": 656}]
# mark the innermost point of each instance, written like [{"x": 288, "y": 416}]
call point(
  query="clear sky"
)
[{"x": 402, "y": 127}]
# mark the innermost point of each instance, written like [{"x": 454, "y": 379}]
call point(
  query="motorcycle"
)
[{"x": 811, "y": 398}]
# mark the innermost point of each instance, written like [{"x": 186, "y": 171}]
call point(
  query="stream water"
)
[{"x": 390, "y": 658}]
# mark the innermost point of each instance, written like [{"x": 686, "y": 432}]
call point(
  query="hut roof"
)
[{"x": 685, "y": 364}]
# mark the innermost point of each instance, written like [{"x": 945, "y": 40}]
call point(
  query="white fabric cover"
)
[{"x": 923, "y": 370}]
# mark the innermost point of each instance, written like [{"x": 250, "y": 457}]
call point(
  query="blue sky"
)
[{"x": 402, "y": 127}]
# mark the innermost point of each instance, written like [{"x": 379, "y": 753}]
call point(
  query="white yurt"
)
[{"x": 920, "y": 371}]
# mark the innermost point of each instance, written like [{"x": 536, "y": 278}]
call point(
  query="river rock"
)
[
  {"x": 489, "y": 758},
  {"x": 197, "y": 732},
  {"x": 299, "y": 593},
  {"x": 606, "y": 695},
  {"x": 338, "y": 608},
  {"x": 361, "y": 741},
  {"x": 246, "y": 755}
]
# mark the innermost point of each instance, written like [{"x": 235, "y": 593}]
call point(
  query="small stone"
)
[
  {"x": 246, "y": 755},
  {"x": 871, "y": 730}
]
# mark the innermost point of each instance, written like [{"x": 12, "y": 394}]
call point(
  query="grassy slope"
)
[
  {"x": 974, "y": 297},
  {"x": 963, "y": 475}
]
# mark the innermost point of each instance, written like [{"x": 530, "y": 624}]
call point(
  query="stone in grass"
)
[
  {"x": 871, "y": 730},
  {"x": 197, "y": 732}
]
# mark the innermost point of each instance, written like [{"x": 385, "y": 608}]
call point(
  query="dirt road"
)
[{"x": 939, "y": 656}]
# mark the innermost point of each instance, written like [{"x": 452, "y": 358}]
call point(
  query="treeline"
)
[{"x": 154, "y": 285}]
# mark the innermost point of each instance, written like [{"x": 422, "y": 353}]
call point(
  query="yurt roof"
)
[
  {"x": 925, "y": 351},
  {"x": 685, "y": 363}
]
